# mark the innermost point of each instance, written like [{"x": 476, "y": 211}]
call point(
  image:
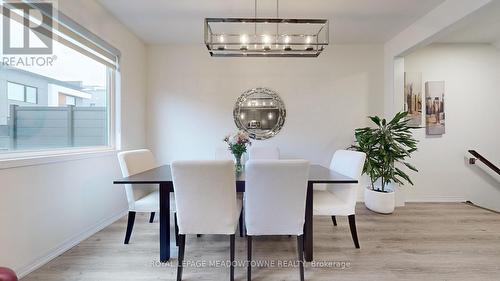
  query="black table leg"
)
[
  {"x": 308, "y": 225},
  {"x": 164, "y": 222}
]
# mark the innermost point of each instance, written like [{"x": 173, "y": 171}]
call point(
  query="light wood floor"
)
[{"x": 451, "y": 241}]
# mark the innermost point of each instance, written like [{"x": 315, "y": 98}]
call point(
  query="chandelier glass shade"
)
[{"x": 266, "y": 37}]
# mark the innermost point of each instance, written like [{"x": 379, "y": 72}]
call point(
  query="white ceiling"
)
[
  {"x": 481, "y": 27},
  {"x": 351, "y": 21}
]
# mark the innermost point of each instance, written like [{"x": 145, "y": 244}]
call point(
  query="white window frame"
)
[
  {"x": 38, "y": 157},
  {"x": 22, "y": 158}
]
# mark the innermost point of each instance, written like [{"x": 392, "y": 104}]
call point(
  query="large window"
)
[
  {"x": 57, "y": 100},
  {"x": 22, "y": 93}
]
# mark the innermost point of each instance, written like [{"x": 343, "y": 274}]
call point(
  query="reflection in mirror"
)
[{"x": 260, "y": 112}]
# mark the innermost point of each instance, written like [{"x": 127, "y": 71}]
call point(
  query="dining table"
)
[{"x": 162, "y": 176}]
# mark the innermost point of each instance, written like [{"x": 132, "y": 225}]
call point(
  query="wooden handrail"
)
[{"x": 485, "y": 161}]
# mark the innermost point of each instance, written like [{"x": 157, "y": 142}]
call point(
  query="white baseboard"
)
[{"x": 68, "y": 244}]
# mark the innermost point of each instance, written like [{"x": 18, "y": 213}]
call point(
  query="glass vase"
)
[{"x": 238, "y": 166}]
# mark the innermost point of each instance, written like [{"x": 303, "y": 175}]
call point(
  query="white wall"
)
[
  {"x": 45, "y": 209},
  {"x": 438, "y": 22},
  {"x": 191, "y": 98},
  {"x": 421, "y": 33},
  {"x": 472, "y": 100}
]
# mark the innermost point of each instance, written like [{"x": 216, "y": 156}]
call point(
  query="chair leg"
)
[
  {"x": 334, "y": 220},
  {"x": 249, "y": 257},
  {"x": 241, "y": 224},
  {"x": 182, "y": 247},
  {"x": 176, "y": 230},
  {"x": 354, "y": 233},
  {"x": 130, "y": 226},
  {"x": 152, "y": 217},
  {"x": 231, "y": 257},
  {"x": 300, "y": 250}
]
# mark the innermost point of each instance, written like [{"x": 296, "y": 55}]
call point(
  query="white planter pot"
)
[{"x": 380, "y": 202}]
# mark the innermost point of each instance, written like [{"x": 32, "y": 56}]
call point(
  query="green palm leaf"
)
[{"x": 387, "y": 146}]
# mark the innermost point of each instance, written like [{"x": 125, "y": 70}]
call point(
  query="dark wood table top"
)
[{"x": 162, "y": 174}]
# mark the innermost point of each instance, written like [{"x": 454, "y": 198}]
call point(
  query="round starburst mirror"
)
[{"x": 260, "y": 112}]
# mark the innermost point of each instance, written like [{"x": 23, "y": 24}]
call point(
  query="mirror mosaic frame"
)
[{"x": 275, "y": 103}]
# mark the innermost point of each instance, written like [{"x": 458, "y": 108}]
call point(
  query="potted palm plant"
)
[{"x": 387, "y": 146}]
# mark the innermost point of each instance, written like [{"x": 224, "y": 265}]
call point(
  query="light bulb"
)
[
  {"x": 221, "y": 39},
  {"x": 266, "y": 39},
  {"x": 287, "y": 39},
  {"x": 244, "y": 38},
  {"x": 308, "y": 39}
]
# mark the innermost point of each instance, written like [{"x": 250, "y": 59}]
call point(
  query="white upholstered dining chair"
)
[
  {"x": 143, "y": 198},
  {"x": 264, "y": 152},
  {"x": 267, "y": 211},
  {"x": 206, "y": 202},
  {"x": 340, "y": 200}
]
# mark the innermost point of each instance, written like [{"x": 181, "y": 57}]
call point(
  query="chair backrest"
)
[
  {"x": 349, "y": 163},
  {"x": 275, "y": 196},
  {"x": 205, "y": 196},
  {"x": 223, "y": 154},
  {"x": 264, "y": 153},
  {"x": 133, "y": 162}
]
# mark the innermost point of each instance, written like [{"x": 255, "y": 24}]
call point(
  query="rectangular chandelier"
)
[{"x": 265, "y": 37}]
